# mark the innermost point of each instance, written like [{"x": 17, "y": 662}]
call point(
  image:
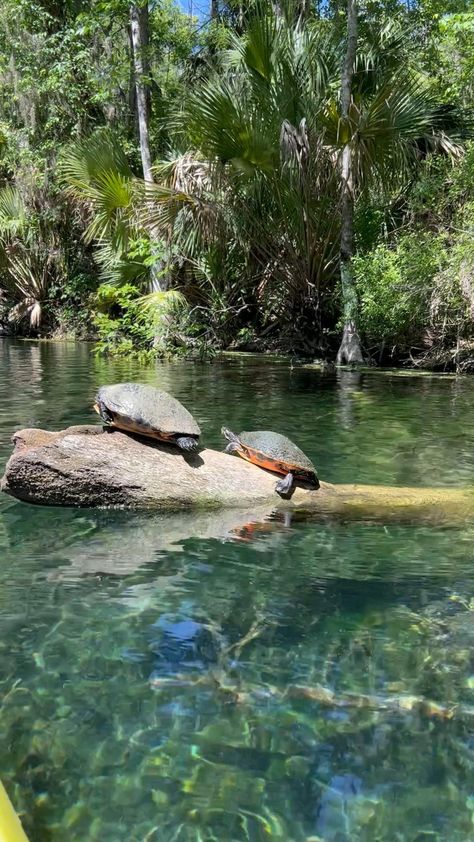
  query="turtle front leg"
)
[
  {"x": 285, "y": 485},
  {"x": 187, "y": 442},
  {"x": 232, "y": 447}
]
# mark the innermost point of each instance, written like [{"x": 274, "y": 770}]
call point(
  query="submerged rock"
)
[{"x": 182, "y": 642}]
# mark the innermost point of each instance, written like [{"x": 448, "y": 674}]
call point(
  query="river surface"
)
[{"x": 190, "y": 679}]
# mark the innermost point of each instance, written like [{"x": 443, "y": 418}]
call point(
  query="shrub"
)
[
  {"x": 395, "y": 285},
  {"x": 127, "y": 322}
]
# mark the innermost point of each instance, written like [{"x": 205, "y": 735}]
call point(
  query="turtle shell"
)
[
  {"x": 275, "y": 452},
  {"x": 148, "y": 410}
]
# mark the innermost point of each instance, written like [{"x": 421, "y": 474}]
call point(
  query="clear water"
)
[{"x": 149, "y": 668}]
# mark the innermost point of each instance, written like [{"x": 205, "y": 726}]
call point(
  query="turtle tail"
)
[{"x": 187, "y": 442}]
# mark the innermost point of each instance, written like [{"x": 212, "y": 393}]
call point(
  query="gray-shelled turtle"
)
[{"x": 142, "y": 409}]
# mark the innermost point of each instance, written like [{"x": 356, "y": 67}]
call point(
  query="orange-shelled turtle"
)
[{"x": 275, "y": 453}]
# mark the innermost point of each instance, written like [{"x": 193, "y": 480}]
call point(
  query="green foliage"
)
[
  {"x": 129, "y": 323},
  {"x": 122, "y": 326},
  {"x": 64, "y": 73},
  {"x": 417, "y": 291},
  {"x": 98, "y": 176},
  {"x": 70, "y": 304},
  {"x": 246, "y": 137},
  {"x": 395, "y": 286},
  {"x": 454, "y": 46},
  {"x": 268, "y": 125},
  {"x": 29, "y": 262}
]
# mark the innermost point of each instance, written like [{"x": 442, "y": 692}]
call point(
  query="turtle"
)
[
  {"x": 275, "y": 453},
  {"x": 142, "y": 409}
]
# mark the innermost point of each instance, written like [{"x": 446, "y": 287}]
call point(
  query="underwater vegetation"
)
[{"x": 147, "y": 710}]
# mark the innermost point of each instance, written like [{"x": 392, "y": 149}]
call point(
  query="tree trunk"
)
[
  {"x": 304, "y": 10},
  {"x": 139, "y": 33},
  {"x": 132, "y": 88},
  {"x": 139, "y": 28},
  {"x": 349, "y": 350},
  {"x": 214, "y": 9},
  {"x": 85, "y": 466}
]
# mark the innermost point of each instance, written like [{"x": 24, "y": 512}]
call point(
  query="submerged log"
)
[{"x": 90, "y": 467}]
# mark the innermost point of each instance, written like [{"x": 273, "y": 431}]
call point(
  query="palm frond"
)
[
  {"x": 96, "y": 173},
  {"x": 81, "y": 164},
  {"x": 13, "y": 214},
  {"x": 111, "y": 197},
  {"x": 31, "y": 270},
  {"x": 257, "y": 48},
  {"x": 169, "y": 301},
  {"x": 117, "y": 268}
]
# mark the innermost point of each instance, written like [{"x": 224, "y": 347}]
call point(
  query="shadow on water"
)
[{"x": 229, "y": 676}]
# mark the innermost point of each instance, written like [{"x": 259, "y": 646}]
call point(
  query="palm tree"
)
[
  {"x": 116, "y": 205},
  {"x": 255, "y": 124},
  {"x": 299, "y": 149},
  {"x": 255, "y": 216},
  {"x": 98, "y": 177},
  {"x": 386, "y": 112},
  {"x": 30, "y": 260}
]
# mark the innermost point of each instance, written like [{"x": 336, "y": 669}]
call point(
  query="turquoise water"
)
[{"x": 181, "y": 679}]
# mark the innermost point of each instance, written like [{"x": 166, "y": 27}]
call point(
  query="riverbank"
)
[{"x": 323, "y": 367}]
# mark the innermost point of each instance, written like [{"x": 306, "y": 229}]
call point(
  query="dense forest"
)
[{"x": 287, "y": 176}]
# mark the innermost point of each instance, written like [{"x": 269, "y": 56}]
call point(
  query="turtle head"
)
[
  {"x": 229, "y": 435},
  {"x": 234, "y": 441}
]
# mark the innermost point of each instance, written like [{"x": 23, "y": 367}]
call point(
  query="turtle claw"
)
[{"x": 284, "y": 486}]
